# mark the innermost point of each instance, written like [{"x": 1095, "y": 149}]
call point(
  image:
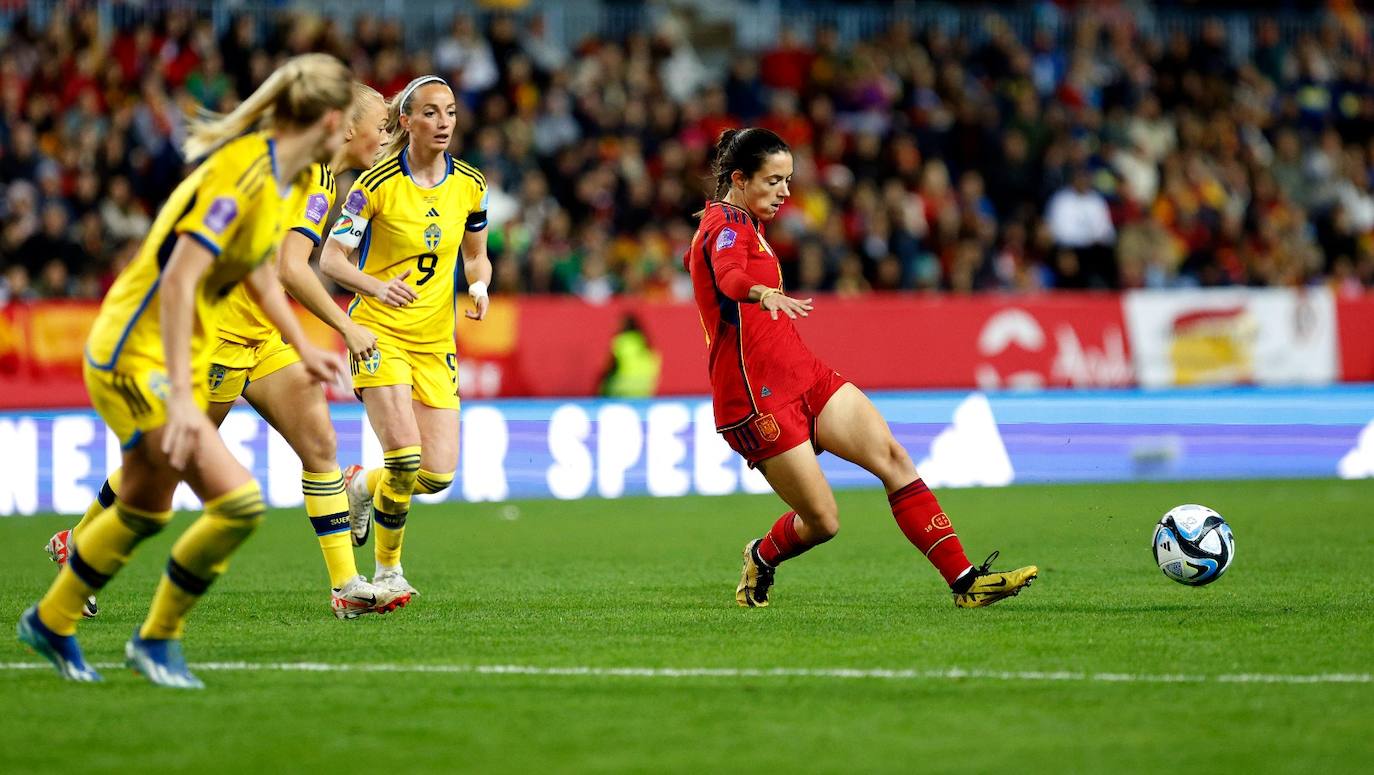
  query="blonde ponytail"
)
[
  {"x": 400, "y": 137},
  {"x": 297, "y": 94}
]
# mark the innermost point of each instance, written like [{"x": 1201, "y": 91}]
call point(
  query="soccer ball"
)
[{"x": 1193, "y": 545}]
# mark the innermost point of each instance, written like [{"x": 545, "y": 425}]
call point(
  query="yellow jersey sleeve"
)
[
  {"x": 226, "y": 193},
  {"x": 311, "y": 208},
  {"x": 364, "y": 201},
  {"x": 477, "y": 211}
]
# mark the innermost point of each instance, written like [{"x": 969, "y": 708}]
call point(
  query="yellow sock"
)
[
  {"x": 391, "y": 503},
  {"x": 428, "y": 482},
  {"x": 327, "y": 506},
  {"x": 106, "y": 543},
  {"x": 200, "y": 556},
  {"x": 105, "y": 499},
  {"x": 374, "y": 478}
]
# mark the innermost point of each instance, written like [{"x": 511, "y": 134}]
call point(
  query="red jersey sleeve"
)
[{"x": 725, "y": 241}]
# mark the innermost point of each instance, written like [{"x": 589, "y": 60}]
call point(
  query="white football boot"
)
[
  {"x": 358, "y": 596},
  {"x": 359, "y": 504},
  {"x": 394, "y": 579}
]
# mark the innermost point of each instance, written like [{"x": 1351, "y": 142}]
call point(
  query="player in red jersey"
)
[{"x": 779, "y": 406}]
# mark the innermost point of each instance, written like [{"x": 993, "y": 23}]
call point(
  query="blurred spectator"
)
[
  {"x": 465, "y": 58},
  {"x": 547, "y": 53},
  {"x": 51, "y": 245},
  {"x": 1081, "y": 226}
]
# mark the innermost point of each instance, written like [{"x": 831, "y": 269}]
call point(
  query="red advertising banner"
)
[
  {"x": 1355, "y": 335},
  {"x": 560, "y": 346},
  {"x": 990, "y": 342}
]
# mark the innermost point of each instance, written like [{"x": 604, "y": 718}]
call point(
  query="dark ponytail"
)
[{"x": 743, "y": 150}]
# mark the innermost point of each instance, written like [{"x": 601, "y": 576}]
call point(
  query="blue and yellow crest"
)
[
  {"x": 432, "y": 236},
  {"x": 160, "y": 387},
  {"x": 217, "y": 374},
  {"x": 373, "y": 362}
]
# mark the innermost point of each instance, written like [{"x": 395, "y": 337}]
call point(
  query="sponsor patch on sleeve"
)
[
  {"x": 221, "y": 213},
  {"x": 356, "y": 201},
  {"x": 726, "y": 238},
  {"x": 316, "y": 207}
]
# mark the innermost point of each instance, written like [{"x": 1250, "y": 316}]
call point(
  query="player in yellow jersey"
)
[
  {"x": 251, "y": 360},
  {"x": 148, "y": 354},
  {"x": 408, "y": 222}
]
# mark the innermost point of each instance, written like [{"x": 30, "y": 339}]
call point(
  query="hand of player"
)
[
  {"x": 479, "y": 307},
  {"x": 361, "y": 343},
  {"x": 396, "y": 292},
  {"x": 787, "y": 305},
  {"x": 181, "y": 436},
  {"x": 322, "y": 366}
]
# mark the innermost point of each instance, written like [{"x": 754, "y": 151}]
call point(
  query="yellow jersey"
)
[
  {"x": 243, "y": 321},
  {"x": 397, "y": 225},
  {"x": 232, "y": 205}
]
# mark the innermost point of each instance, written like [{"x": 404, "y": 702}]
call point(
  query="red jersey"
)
[{"x": 757, "y": 364}]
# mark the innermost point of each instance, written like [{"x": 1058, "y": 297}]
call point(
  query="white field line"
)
[{"x": 949, "y": 674}]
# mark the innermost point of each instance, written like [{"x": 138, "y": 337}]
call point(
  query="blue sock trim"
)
[
  {"x": 390, "y": 521},
  {"x": 86, "y": 573},
  {"x": 188, "y": 581},
  {"x": 329, "y": 524}
]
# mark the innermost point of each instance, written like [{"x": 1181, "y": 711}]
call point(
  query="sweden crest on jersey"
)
[
  {"x": 432, "y": 236},
  {"x": 217, "y": 374},
  {"x": 158, "y": 383},
  {"x": 373, "y": 362}
]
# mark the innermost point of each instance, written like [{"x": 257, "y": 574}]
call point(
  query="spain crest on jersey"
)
[
  {"x": 768, "y": 427},
  {"x": 217, "y": 374},
  {"x": 432, "y": 236}
]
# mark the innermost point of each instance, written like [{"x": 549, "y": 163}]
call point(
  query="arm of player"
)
[
  {"x": 267, "y": 292},
  {"x": 727, "y": 264},
  {"x": 293, "y": 265},
  {"x": 336, "y": 261},
  {"x": 477, "y": 270},
  {"x": 186, "y": 421}
]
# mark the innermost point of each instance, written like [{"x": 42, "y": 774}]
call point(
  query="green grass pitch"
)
[{"x": 1064, "y": 678}]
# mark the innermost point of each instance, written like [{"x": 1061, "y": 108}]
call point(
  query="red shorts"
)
[{"x": 769, "y": 435}]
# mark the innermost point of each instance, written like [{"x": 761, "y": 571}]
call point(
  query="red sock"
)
[
  {"x": 782, "y": 542},
  {"x": 925, "y": 525}
]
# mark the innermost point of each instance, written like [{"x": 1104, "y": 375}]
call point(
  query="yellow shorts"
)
[
  {"x": 233, "y": 366},
  {"x": 433, "y": 377},
  {"x": 132, "y": 398}
]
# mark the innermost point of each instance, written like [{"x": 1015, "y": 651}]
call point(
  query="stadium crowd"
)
[{"x": 1094, "y": 158}]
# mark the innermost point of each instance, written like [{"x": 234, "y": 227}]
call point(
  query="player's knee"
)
[
  {"x": 895, "y": 462},
  {"x": 823, "y": 521},
  {"x": 827, "y": 530},
  {"x": 318, "y": 451}
]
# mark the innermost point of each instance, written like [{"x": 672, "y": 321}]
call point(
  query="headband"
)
[{"x": 415, "y": 84}]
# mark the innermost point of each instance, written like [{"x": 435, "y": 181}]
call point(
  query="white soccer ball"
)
[{"x": 1193, "y": 545}]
